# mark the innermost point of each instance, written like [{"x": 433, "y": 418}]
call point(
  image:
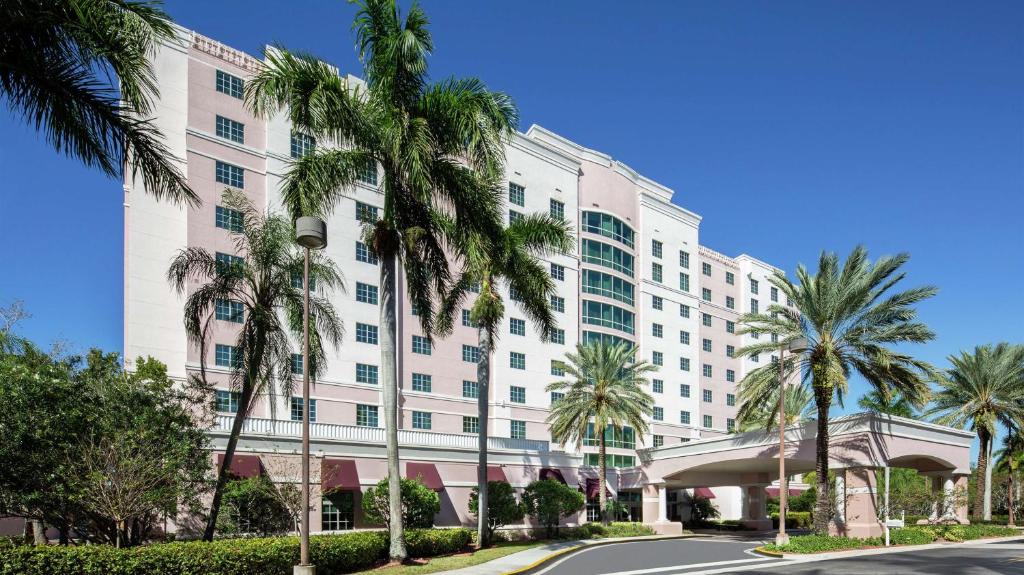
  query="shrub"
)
[
  {"x": 502, "y": 507},
  {"x": 794, "y": 520},
  {"x": 625, "y": 529},
  {"x": 431, "y": 542},
  {"x": 910, "y": 537},
  {"x": 820, "y": 543},
  {"x": 547, "y": 501},
  {"x": 419, "y": 504},
  {"x": 254, "y": 505}
]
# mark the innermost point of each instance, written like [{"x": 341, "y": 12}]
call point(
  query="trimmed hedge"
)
[
  {"x": 915, "y": 535},
  {"x": 819, "y": 543},
  {"x": 794, "y": 520},
  {"x": 331, "y": 554}
]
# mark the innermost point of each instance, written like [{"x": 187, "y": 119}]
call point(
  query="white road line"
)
[{"x": 686, "y": 568}]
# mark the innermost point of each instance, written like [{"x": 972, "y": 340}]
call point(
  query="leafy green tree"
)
[
  {"x": 253, "y": 505},
  {"x": 79, "y": 71},
  {"x": 548, "y": 501},
  {"x": 503, "y": 508},
  {"x": 878, "y": 401},
  {"x": 606, "y": 387},
  {"x": 511, "y": 259},
  {"x": 419, "y": 504},
  {"x": 437, "y": 147},
  {"x": 1009, "y": 460},
  {"x": 851, "y": 318},
  {"x": 799, "y": 406},
  {"x": 702, "y": 511},
  {"x": 272, "y": 307}
]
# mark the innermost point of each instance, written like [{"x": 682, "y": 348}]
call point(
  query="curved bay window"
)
[
  {"x": 608, "y": 226},
  {"x": 607, "y": 255},
  {"x": 338, "y": 511},
  {"x": 621, "y": 438},
  {"x": 607, "y": 315}
]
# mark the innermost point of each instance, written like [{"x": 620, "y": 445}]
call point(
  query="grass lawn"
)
[{"x": 456, "y": 561}]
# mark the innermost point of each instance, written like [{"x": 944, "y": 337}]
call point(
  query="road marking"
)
[{"x": 686, "y": 568}]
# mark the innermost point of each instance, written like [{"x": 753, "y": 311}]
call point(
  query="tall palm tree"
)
[
  {"x": 439, "y": 146},
  {"x": 881, "y": 401},
  {"x": 1009, "y": 460},
  {"x": 799, "y": 404},
  {"x": 850, "y": 317},
  {"x": 606, "y": 389},
  {"x": 510, "y": 259},
  {"x": 980, "y": 390},
  {"x": 271, "y": 311},
  {"x": 80, "y": 72}
]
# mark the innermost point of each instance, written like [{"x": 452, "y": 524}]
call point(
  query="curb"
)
[
  {"x": 767, "y": 553},
  {"x": 828, "y": 555},
  {"x": 543, "y": 561}
]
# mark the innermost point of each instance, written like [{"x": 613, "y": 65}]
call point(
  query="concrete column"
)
[
  {"x": 656, "y": 506},
  {"x": 840, "y": 501},
  {"x": 755, "y": 500},
  {"x": 960, "y": 511},
  {"x": 860, "y": 516},
  {"x": 936, "y": 484},
  {"x": 948, "y": 503},
  {"x": 662, "y": 504}
]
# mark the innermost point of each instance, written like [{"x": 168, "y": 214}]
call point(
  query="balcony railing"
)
[{"x": 357, "y": 434}]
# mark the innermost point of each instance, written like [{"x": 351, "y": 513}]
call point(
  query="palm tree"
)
[
  {"x": 882, "y": 401},
  {"x": 264, "y": 284},
  {"x": 982, "y": 390},
  {"x": 799, "y": 404},
  {"x": 849, "y": 317},
  {"x": 511, "y": 259},
  {"x": 605, "y": 389},
  {"x": 1009, "y": 460},
  {"x": 440, "y": 148},
  {"x": 80, "y": 72}
]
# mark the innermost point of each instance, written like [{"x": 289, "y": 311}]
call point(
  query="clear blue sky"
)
[{"x": 790, "y": 127}]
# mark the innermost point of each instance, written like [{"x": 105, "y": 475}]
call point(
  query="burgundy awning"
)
[
  {"x": 243, "y": 466},
  {"x": 704, "y": 492},
  {"x": 495, "y": 473},
  {"x": 339, "y": 474},
  {"x": 425, "y": 472},
  {"x": 592, "y": 490},
  {"x": 774, "y": 491},
  {"x": 549, "y": 473}
]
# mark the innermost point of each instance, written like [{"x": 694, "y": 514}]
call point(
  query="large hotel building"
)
[{"x": 639, "y": 274}]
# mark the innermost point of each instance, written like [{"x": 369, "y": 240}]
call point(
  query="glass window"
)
[
  {"x": 753, "y": 305},
  {"x": 707, "y": 421},
  {"x": 366, "y": 293},
  {"x": 470, "y": 353},
  {"x": 467, "y": 319},
  {"x": 421, "y": 419},
  {"x": 657, "y": 358},
  {"x": 684, "y": 259},
  {"x": 607, "y": 255},
  {"x": 366, "y": 333},
  {"x": 558, "y": 304},
  {"x": 514, "y": 295},
  {"x": 516, "y": 194},
  {"x": 656, "y": 248},
  {"x": 607, "y": 315},
  {"x": 517, "y": 394},
  {"x": 555, "y": 396},
  {"x": 337, "y": 511},
  {"x": 730, "y": 425},
  {"x": 730, "y": 302},
  {"x": 659, "y": 440},
  {"x": 656, "y": 302},
  {"x": 514, "y": 216},
  {"x": 229, "y": 84},
  {"x": 422, "y": 382},
  {"x": 470, "y": 389},
  {"x": 658, "y": 386},
  {"x": 684, "y": 417},
  {"x": 363, "y": 254},
  {"x": 366, "y": 415},
  {"x": 229, "y": 219},
  {"x": 296, "y": 409},
  {"x": 730, "y": 326},
  {"x": 684, "y": 281},
  {"x": 730, "y": 350},
  {"x": 226, "y": 356},
  {"x": 302, "y": 144},
  {"x": 656, "y": 272},
  {"x": 684, "y": 337},
  {"x": 420, "y": 345},
  {"x": 230, "y": 130},
  {"x": 706, "y": 345},
  {"x": 226, "y": 401},
  {"x": 618, "y": 438},
  {"x": 516, "y": 360},
  {"x": 296, "y": 363},
  {"x": 755, "y": 358},
  {"x": 730, "y": 278},
  {"x": 557, "y": 368},
  {"x": 659, "y": 413},
  {"x": 516, "y": 326},
  {"x": 684, "y": 364},
  {"x": 557, "y": 209},
  {"x": 730, "y": 375},
  {"x": 558, "y": 272},
  {"x": 684, "y": 390},
  {"x": 730, "y": 400},
  {"x": 366, "y": 213},
  {"x": 366, "y": 373},
  {"x": 706, "y": 395},
  {"x": 656, "y": 329},
  {"x": 705, "y": 293},
  {"x": 753, "y": 286},
  {"x": 296, "y": 278},
  {"x": 517, "y": 429},
  {"x": 684, "y": 310},
  {"x": 612, "y": 460},
  {"x": 229, "y": 174},
  {"x": 230, "y": 310},
  {"x": 705, "y": 268},
  {"x": 470, "y": 424},
  {"x": 706, "y": 319},
  {"x": 557, "y": 336},
  {"x": 368, "y": 173},
  {"x": 607, "y": 226},
  {"x": 775, "y": 294},
  {"x": 707, "y": 370}
]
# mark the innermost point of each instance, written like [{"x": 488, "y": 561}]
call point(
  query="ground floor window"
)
[
  {"x": 337, "y": 511},
  {"x": 631, "y": 507},
  {"x": 593, "y": 510}
]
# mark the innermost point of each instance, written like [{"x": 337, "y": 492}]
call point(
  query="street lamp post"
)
[
  {"x": 782, "y": 538},
  {"x": 310, "y": 233}
]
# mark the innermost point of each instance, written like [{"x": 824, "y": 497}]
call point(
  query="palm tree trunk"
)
[
  {"x": 389, "y": 381},
  {"x": 483, "y": 380},
  {"x": 229, "y": 454},
  {"x": 823, "y": 503},
  {"x": 603, "y": 470},
  {"x": 979, "y": 483},
  {"x": 987, "y": 511},
  {"x": 1009, "y": 499},
  {"x": 38, "y": 532}
]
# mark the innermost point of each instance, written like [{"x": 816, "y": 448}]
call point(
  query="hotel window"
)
[
  {"x": 607, "y": 315},
  {"x": 230, "y": 130},
  {"x": 753, "y": 286},
  {"x": 516, "y": 360},
  {"x": 684, "y": 337},
  {"x": 707, "y": 370},
  {"x": 730, "y": 326},
  {"x": 753, "y": 305},
  {"x": 229, "y": 84},
  {"x": 657, "y": 358},
  {"x": 659, "y": 440},
  {"x": 730, "y": 425},
  {"x": 420, "y": 345},
  {"x": 706, "y": 345},
  {"x": 296, "y": 363},
  {"x": 657, "y": 302},
  {"x": 467, "y": 319},
  {"x": 789, "y": 302},
  {"x": 557, "y": 368},
  {"x": 705, "y": 268},
  {"x": 363, "y": 254},
  {"x": 656, "y": 329},
  {"x": 557, "y": 336},
  {"x": 514, "y": 295},
  {"x": 684, "y": 310},
  {"x": 658, "y": 386},
  {"x": 707, "y": 421},
  {"x": 684, "y": 417},
  {"x": 775, "y": 294},
  {"x": 756, "y": 358},
  {"x": 775, "y": 338},
  {"x": 556, "y": 396},
  {"x": 366, "y": 415},
  {"x": 514, "y": 216},
  {"x": 470, "y": 389},
  {"x": 302, "y": 144},
  {"x": 229, "y": 219},
  {"x": 516, "y": 326},
  {"x": 367, "y": 174},
  {"x": 366, "y": 213},
  {"x": 656, "y": 272},
  {"x": 226, "y": 356},
  {"x": 659, "y": 413},
  {"x": 517, "y": 429},
  {"x": 230, "y": 310},
  {"x": 775, "y": 359},
  {"x": 684, "y": 390},
  {"x": 684, "y": 281},
  {"x": 558, "y": 272},
  {"x": 517, "y": 394},
  {"x": 684, "y": 363},
  {"x": 421, "y": 419},
  {"x": 516, "y": 194},
  {"x": 470, "y": 353},
  {"x": 705, "y": 319},
  {"x": 600, "y": 283},
  {"x": 296, "y": 409},
  {"x": 730, "y": 376},
  {"x": 558, "y": 304},
  {"x": 366, "y": 333},
  {"x": 706, "y": 396},
  {"x": 730, "y": 278},
  {"x": 730, "y": 350},
  {"x": 337, "y": 512},
  {"x": 557, "y": 210},
  {"x": 607, "y": 226},
  {"x": 730, "y": 302},
  {"x": 470, "y": 424},
  {"x": 296, "y": 279},
  {"x": 226, "y": 401},
  {"x": 705, "y": 293},
  {"x": 730, "y": 400},
  {"x": 684, "y": 260},
  {"x": 366, "y": 373},
  {"x": 612, "y": 460},
  {"x": 422, "y": 382},
  {"x": 229, "y": 174},
  {"x": 366, "y": 293},
  {"x": 607, "y": 255},
  {"x": 656, "y": 248}
]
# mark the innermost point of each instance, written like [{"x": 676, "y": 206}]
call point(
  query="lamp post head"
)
[
  {"x": 796, "y": 344},
  {"x": 311, "y": 232}
]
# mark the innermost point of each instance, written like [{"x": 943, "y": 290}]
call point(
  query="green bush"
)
[
  {"x": 547, "y": 501},
  {"x": 910, "y": 536},
  {"x": 915, "y": 535},
  {"x": 332, "y": 554},
  {"x": 502, "y": 506},
  {"x": 794, "y": 520},
  {"x": 254, "y": 505},
  {"x": 419, "y": 504},
  {"x": 820, "y": 543}
]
